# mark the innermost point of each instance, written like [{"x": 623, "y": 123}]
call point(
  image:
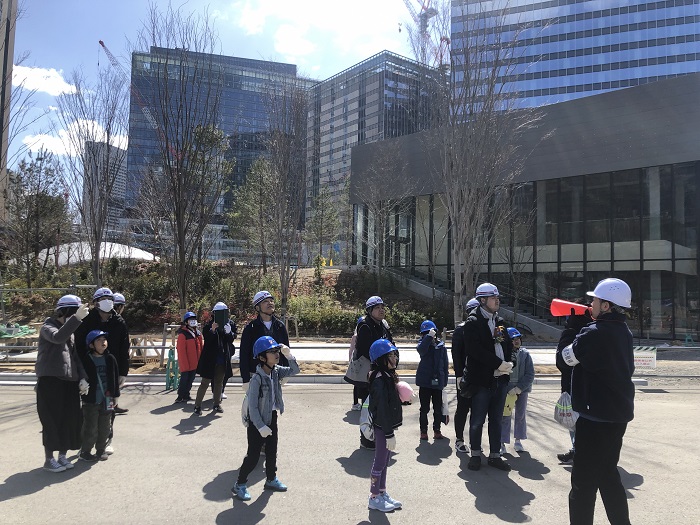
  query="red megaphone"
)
[{"x": 560, "y": 308}]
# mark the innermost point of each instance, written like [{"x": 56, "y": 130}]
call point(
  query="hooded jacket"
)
[
  {"x": 480, "y": 348},
  {"x": 253, "y": 331},
  {"x": 261, "y": 412},
  {"x": 433, "y": 363}
]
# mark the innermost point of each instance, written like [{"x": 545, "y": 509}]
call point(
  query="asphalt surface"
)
[{"x": 173, "y": 467}]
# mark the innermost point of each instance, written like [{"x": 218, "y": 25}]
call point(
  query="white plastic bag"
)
[
  {"x": 366, "y": 426},
  {"x": 564, "y": 414}
]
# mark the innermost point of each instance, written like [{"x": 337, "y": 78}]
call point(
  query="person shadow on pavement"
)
[
  {"x": 527, "y": 466},
  {"x": 433, "y": 453},
  {"x": 193, "y": 423},
  {"x": 497, "y": 494},
  {"x": 359, "y": 462},
  {"x": 246, "y": 511},
  {"x": 377, "y": 518},
  {"x": 630, "y": 481},
  {"x": 35, "y": 480},
  {"x": 219, "y": 489}
]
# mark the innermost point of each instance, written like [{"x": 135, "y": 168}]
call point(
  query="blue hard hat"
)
[
  {"x": 513, "y": 333},
  {"x": 379, "y": 348},
  {"x": 189, "y": 315},
  {"x": 92, "y": 335},
  {"x": 264, "y": 344},
  {"x": 425, "y": 327}
]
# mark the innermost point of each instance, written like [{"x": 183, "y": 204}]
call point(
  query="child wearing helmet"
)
[
  {"x": 386, "y": 410},
  {"x": 520, "y": 385},
  {"x": 98, "y": 403},
  {"x": 189, "y": 348},
  {"x": 265, "y": 402},
  {"x": 431, "y": 378}
]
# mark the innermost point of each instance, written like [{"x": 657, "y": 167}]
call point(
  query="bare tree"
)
[
  {"x": 286, "y": 102},
  {"x": 37, "y": 212},
  {"x": 92, "y": 123},
  {"x": 432, "y": 234},
  {"x": 190, "y": 168},
  {"x": 476, "y": 131},
  {"x": 323, "y": 226}
]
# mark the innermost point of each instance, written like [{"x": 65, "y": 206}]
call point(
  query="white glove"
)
[
  {"x": 391, "y": 443},
  {"x": 432, "y": 332},
  {"x": 227, "y": 328},
  {"x": 265, "y": 431},
  {"x": 122, "y": 380},
  {"x": 245, "y": 387},
  {"x": 515, "y": 390},
  {"x": 84, "y": 387},
  {"x": 284, "y": 380},
  {"x": 505, "y": 367},
  {"x": 286, "y": 352},
  {"x": 82, "y": 312},
  {"x": 386, "y": 325}
]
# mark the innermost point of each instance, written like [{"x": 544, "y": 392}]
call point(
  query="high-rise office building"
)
[
  {"x": 382, "y": 97},
  {"x": 8, "y": 18},
  {"x": 566, "y": 49},
  {"x": 104, "y": 165}
]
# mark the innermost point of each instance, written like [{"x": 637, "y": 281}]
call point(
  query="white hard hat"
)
[
  {"x": 373, "y": 301},
  {"x": 261, "y": 296},
  {"x": 102, "y": 292},
  {"x": 220, "y": 306},
  {"x": 614, "y": 290},
  {"x": 472, "y": 303},
  {"x": 486, "y": 290},
  {"x": 119, "y": 298},
  {"x": 68, "y": 301}
]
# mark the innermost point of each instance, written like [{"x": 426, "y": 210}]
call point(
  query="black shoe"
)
[
  {"x": 474, "y": 462},
  {"x": 198, "y": 411},
  {"x": 498, "y": 463},
  {"x": 566, "y": 458},
  {"x": 217, "y": 408},
  {"x": 120, "y": 410},
  {"x": 180, "y": 399},
  {"x": 86, "y": 456}
]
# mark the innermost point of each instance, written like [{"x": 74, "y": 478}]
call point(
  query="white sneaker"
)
[
  {"x": 224, "y": 396},
  {"x": 51, "y": 465},
  {"x": 380, "y": 504},
  {"x": 356, "y": 407},
  {"x": 65, "y": 462},
  {"x": 503, "y": 449},
  {"x": 109, "y": 450},
  {"x": 460, "y": 447},
  {"x": 390, "y": 500},
  {"x": 518, "y": 446}
]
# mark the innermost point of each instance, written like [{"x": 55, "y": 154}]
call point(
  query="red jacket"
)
[{"x": 189, "y": 348}]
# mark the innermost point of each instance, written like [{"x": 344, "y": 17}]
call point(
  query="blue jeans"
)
[{"x": 488, "y": 401}]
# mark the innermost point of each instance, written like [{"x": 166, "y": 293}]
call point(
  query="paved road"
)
[{"x": 173, "y": 467}]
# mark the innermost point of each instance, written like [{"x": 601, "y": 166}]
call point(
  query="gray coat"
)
[
  {"x": 261, "y": 411},
  {"x": 523, "y": 373},
  {"x": 57, "y": 356}
]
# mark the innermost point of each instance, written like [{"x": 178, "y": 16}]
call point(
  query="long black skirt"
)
[{"x": 58, "y": 405}]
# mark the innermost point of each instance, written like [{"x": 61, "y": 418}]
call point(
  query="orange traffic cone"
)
[{"x": 560, "y": 308}]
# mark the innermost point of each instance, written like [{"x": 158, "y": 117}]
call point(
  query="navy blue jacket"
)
[
  {"x": 601, "y": 383},
  {"x": 433, "y": 363},
  {"x": 384, "y": 403},
  {"x": 480, "y": 348},
  {"x": 253, "y": 331}
]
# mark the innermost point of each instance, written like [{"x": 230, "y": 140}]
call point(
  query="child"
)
[
  {"x": 189, "y": 348},
  {"x": 264, "y": 401},
  {"x": 431, "y": 378},
  {"x": 103, "y": 377},
  {"x": 386, "y": 411},
  {"x": 520, "y": 384}
]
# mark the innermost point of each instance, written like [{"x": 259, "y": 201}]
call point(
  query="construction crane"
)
[{"x": 422, "y": 19}]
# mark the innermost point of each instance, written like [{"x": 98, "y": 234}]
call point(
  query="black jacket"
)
[
  {"x": 601, "y": 383},
  {"x": 368, "y": 331},
  {"x": 117, "y": 337},
  {"x": 253, "y": 331},
  {"x": 111, "y": 387},
  {"x": 217, "y": 345},
  {"x": 480, "y": 348},
  {"x": 573, "y": 326},
  {"x": 384, "y": 403},
  {"x": 459, "y": 354}
]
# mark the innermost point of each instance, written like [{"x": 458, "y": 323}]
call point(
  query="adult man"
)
[
  {"x": 264, "y": 324},
  {"x": 103, "y": 317},
  {"x": 488, "y": 348},
  {"x": 602, "y": 393},
  {"x": 371, "y": 327},
  {"x": 459, "y": 361}
]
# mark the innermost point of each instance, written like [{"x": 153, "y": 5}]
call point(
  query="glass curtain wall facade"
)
[
  {"x": 382, "y": 97},
  {"x": 566, "y": 49},
  {"x": 641, "y": 225}
]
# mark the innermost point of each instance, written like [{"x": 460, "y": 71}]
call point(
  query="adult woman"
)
[
  {"x": 61, "y": 379},
  {"x": 189, "y": 348}
]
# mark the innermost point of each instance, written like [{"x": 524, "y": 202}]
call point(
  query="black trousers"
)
[
  {"x": 463, "y": 405},
  {"x": 595, "y": 469},
  {"x": 252, "y": 456},
  {"x": 426, "y": 395}
]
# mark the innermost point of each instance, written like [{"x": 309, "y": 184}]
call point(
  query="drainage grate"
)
[{"x": 653, "y": 390}]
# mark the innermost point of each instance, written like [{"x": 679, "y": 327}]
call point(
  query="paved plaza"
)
[{"x": 173, "y": 467}]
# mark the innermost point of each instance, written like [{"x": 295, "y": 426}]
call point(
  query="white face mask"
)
[
  {"x": 192, "y": 322},
  {"x": 106, "y": 305}
]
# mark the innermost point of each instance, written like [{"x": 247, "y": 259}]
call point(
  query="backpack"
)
[
  {"x": 366, "y": 424},
  {"x": 245, "y": 414}
]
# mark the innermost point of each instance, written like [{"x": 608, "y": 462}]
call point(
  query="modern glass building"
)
[
  {"x": 384, "y": 96},
  {"x": 566, "y": 49},
  {"x": 614, "y": 191}
]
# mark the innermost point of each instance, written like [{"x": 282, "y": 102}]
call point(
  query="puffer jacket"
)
[
  {"x": 433, "y": 363},
  {"x": 260, "y": 385},
  {"x": 384, "y": 403},
  {"x": 523, "y": 373},
  {"x": 601, "y": 381},
  {"x": 189, "y": 348},
  {"x": 57, "y": 355}
]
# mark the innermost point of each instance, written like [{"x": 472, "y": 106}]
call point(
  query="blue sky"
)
[{"x": 322, "y": 37}]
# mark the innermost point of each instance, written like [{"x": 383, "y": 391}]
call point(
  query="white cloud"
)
[
  {"x": 41, "y": 79},
  {"x": 67, "y": 142},
  {"x": 291, "y": 42}
]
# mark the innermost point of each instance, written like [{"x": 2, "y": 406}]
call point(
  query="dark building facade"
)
[{"x": 613, "y": 191}]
